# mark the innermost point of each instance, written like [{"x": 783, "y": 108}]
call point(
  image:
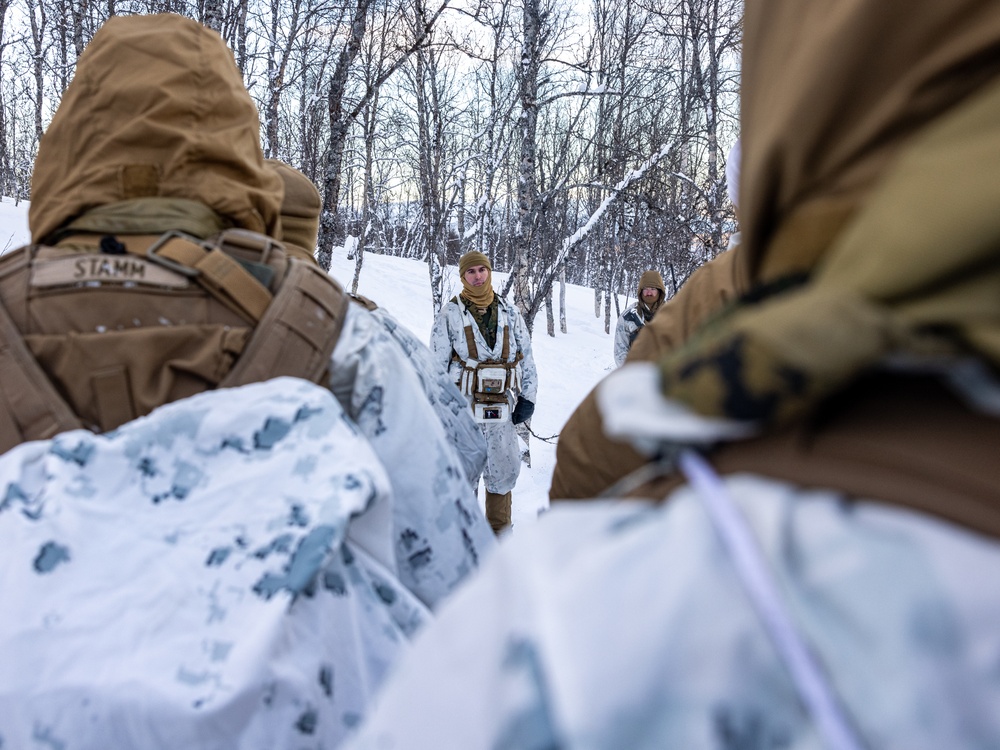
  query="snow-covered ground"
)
[
  {"x": 13, "y": 224},
  {"x": 568, "y": 365}
]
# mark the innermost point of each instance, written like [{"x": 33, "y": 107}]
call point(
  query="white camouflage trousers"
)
[{"x": 503, "y": 457}]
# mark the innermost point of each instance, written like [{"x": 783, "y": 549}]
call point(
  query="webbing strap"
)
[
  {"x": 298, "y": 332},
  {"x": 758, "y": 581},
  {"x": 216, "y": 271},
  {"x": 30, "y": 406},
  {"x": 470, "y": 342}
]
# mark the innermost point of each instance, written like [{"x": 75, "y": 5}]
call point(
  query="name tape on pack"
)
[{"x": 116, "y": 269}]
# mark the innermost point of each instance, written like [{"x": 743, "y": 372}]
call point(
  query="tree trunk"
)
[
  {"x": 78, "y": 8},
  {"x": 526, "y": 188},
  {"x": 550, "y": 323},
  {"x": 608, "y": 291},
  {"x": 429, "y": 158},
  {"x": 338, "y": 134},
  {"x": 214, "y": 14},
  {"x": 38, "y": 26},
  {"x": 240, "y": 33},
  {"x": 369, "y": 196},
  {"x": 562, "y": 298},
  {"x": 6, "y": 174}
]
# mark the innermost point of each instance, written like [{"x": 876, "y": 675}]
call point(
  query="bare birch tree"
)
[{"x": 6, "y": 173}]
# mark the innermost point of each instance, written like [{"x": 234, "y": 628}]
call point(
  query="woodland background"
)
[{"x": 569, "y": 142}]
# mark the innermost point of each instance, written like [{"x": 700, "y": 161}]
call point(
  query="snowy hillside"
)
[{"x": 568, "y": 365}]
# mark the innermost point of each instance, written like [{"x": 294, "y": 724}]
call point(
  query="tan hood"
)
[
  {"x": 831, "y": 91},
  {"x": 651, "y": 278},
  {"x": 870, "y": 148},
  {"x": 157, "y": 108}
]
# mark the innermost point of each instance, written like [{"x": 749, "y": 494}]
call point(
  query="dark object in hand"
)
[{"x": 523, "y": 410}]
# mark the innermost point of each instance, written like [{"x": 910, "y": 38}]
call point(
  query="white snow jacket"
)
[
  {"x": 612, "y": 625},
  {"x": 234, "y": 570},
  {"x": 447, "y": 401},
  {"x": 373, "y": 378},
  {"x": 503, "y": 463},
  {"x": 448, "y": 338},
  {"x": 629, "y": 324}
]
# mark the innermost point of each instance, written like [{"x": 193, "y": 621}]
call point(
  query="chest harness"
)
[{"x": 487, "y": 383}]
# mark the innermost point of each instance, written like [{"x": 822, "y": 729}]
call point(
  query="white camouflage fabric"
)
[
  {"x": 629, "y": 324},
  {"x": 239, "y": 569},
  {"x": 622, "y": 624},
  {"x": 374, "y": 379},
  {"x": 503, "y": 453},
  {"x": 443, "y": 395}
]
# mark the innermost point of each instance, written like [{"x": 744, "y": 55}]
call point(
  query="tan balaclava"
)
[
  {"x": 300, "y": 211},
  {"x": 651, "y": 279},
  {"x": 479, "y": 296}
]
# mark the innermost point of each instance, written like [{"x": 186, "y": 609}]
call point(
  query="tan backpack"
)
[{"x": 96, "y": 331}]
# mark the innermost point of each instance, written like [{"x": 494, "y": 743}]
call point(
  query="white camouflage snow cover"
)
[
  {"x": 191, "y": 580},
  {"x": 622, "y": 624},
  {"x": 503, "y": 453},
  {"x": 448, "y": 402},
  {"x": 629, "y": 324},
  {"x": 235, "y": 570},
  {"x": 378, "y": 384}
]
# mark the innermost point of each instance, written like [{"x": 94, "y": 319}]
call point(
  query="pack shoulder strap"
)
[
  {"x": 470, "y": 342},
  {"x": 902, "y": 440},
  {"x": 30, "y": 406},
  {"x": 470, "y": 336},
  {"x": 297, "y": 333},
  {"x": 215, "y": 269},
  {"x": 359, "y": 299}
]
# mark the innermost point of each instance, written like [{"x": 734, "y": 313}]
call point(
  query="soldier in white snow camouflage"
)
[
  {"x": 649, "y": 297},
  {"x": 483, "y": 342}
]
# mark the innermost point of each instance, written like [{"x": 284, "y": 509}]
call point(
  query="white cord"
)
[{"x": 809, "y": 678}]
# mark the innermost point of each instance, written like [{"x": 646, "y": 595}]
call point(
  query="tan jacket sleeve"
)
[
  {"x": 706, "y": 292},
  {"x": 587, "y": 461}
]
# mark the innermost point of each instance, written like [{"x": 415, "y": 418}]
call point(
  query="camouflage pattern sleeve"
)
[
  {"x": 440, "y": 533},
  {"x": 625, "y": 332}
]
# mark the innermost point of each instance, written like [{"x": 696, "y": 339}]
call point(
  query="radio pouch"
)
[{"x": 489, "y": 413}]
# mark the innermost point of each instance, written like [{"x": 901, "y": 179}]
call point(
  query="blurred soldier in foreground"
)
[
  {"x": 823, "y": 572},
  {"x": 199, "y": 550}
]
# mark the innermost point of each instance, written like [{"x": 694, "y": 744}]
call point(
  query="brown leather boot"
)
[{"x": 498, "y": 511}]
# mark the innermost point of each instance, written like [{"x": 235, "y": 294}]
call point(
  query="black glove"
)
[{"x": 523, "y": 410}]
